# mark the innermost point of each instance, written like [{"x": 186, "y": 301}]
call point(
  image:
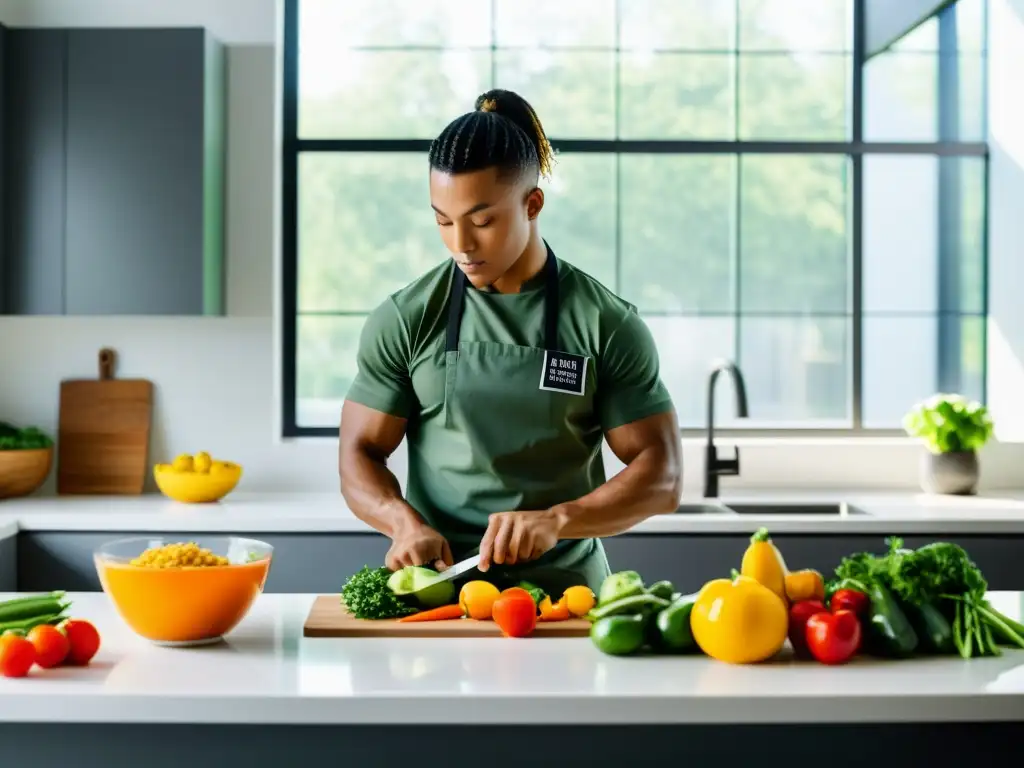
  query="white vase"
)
[{"x": 953, "y": 473}]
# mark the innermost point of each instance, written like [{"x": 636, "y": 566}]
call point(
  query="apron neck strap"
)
[{"x": 457, "y": 302}]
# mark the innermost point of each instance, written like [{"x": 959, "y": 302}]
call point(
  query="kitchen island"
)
[{"x": 268, "y": 696}]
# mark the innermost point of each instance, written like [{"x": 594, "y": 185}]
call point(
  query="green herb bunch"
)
[
  {"x": 367, "y": 595},
  {"x": 29, "y": 438},
  {"x": 949, "y": 423}
]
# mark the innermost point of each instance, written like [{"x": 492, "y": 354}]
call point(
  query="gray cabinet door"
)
[
  {"x": 135, "y": 126},
  {"x": 34, "y": 171}
]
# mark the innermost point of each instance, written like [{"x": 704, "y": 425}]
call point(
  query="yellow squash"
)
[
  {"x": 739, "y": 621},
  {"x": 764, "y": 563},
  {"x": 807, "y": 584}
]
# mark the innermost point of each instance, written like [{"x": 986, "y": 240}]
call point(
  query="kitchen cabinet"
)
[
  {"x": 320, "y": 562},
  {"x": 117, "y": 138},
  {"x": 8, "y": 564}
]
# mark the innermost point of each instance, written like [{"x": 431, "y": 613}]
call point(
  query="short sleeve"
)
[
  {"x": 629, "y": 377},
  {"x": 382, "y": 379}
]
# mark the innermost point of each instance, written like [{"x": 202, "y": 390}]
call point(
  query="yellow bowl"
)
[
  {"x": 198, "y": 487},
  {"x": 184, "y": 605}
]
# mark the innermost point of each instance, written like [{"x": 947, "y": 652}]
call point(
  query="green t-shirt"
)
[{"x": 505, "y": 454}]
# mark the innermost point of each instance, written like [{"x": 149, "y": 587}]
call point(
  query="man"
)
[{"x": 505, "y": 368}]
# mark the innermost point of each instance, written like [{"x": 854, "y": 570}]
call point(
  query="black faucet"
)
[{"x": 714, "y": 467}]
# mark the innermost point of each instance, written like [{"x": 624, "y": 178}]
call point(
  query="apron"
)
[{"x": 517, "y": 433}]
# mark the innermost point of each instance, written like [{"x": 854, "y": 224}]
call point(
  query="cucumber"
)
[{"x": 634, "y": 604}]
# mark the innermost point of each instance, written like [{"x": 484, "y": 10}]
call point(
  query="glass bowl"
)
[{"x": 184, "y": 604}]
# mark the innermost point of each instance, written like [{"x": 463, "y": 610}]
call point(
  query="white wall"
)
[{"x": 217, "y": 379}]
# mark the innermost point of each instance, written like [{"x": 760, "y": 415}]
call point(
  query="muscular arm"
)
[
  {"x": 650, "y": 484},
  {"x": 371, "y": 490}
]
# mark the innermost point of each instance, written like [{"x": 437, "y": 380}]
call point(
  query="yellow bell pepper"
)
[
  {"x": 739, "y": 621},
  {"x": 764, "y": 563},
  {"x": 805, "y": 585}
]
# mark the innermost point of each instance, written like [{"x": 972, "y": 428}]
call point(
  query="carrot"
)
[{"x": 436, "y": 614}]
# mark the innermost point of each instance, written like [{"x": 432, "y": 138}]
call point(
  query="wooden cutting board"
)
[
  {"x": 328, "y": 618},
  {"x": 103, "y": 433}
]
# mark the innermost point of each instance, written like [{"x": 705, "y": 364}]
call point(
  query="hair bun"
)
[{"x": 488, "y": 105}]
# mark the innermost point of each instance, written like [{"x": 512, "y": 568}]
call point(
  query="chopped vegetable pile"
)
[
  {"x": 367, "y": 596},
  {"x": 942, "y": 592}
]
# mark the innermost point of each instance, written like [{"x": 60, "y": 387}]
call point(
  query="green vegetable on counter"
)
[
  {"x": 620, "y": 585},
  {"x": 21, "y": 614},
  {"x": 417, "y": 584},
  {"x": 663, "y": 589},
  {"x": 942, "y": 597},
  {"x": 367, "y": 596},
  {"x": 619, "y": 635},
  {"x": 536, "y": 592}
]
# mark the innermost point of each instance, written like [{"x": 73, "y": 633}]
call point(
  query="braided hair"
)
[{"x": 503, "y": 131}]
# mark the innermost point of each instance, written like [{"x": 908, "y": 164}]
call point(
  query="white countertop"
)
[
  {"x": 876, "y": 513},
  {"x": 267, "y": 673}
]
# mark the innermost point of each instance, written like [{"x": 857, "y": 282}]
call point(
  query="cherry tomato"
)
[
  {"x": 833, "y": 638},
  {"x": 51, "y": 645},
  {"x": 799, "y": 613},
  {"x": 83, "y": 639},
  {"x": 17, "y": 655},
  {"x": 515, "y": 612},
  {"x": 849, "y": 600}
]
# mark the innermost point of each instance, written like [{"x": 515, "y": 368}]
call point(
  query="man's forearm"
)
[
  {"x": 649, "y": 485},
  {"x": 373, "y": 493}
]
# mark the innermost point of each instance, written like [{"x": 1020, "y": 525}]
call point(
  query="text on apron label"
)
[{"x": 563, "y": 372}]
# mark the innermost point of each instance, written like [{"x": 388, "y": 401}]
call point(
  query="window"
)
[{"x": 735, "y": 169}]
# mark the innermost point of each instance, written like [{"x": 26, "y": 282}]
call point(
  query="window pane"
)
[
  {"x": 904, "y": 209},
  {"x": 794, "y": 96},
  {"x": 326, "y": 26},
  {"x": 388, "y": 94},
  {"x": 796, "y": 369},
  {"x": 902, "y": 363},
  {"x": 325, "y": 366},
  {"x": 572, "y": 91},
  {"x": 901, "y": 97},
  {"x": 678, "y": 24},
  {"x": 579, "y": 213},
  {"x": 677, "y": 96},
  {"x": 970, "y": 102},
  {"x": 686, "y": 347},
  {"x": 793, "y": 233},
  {"x": 365, "y": 228},
  {"x": 970, "y": 30},
  {"x": 545, "y": 24},
  {"x": 677, "y": 232},
  {"x": 796, "y": 25}
]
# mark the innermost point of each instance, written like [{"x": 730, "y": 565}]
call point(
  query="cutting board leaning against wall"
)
[{"x": 103, "y": 432}]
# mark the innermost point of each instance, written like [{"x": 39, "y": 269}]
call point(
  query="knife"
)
[{"x": 455, "y": 571}]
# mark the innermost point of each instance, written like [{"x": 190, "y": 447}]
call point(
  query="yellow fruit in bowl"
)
[
  {"x": 182, "y": 463},
  {"x": 195, "y": 487},
  {"x": 202, "y": 462}
]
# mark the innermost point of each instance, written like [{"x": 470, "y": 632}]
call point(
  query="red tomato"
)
[
  {"x": 515, "y": 613},
  {"x": 51, "y": 645},
  {"x": 849, "y": 600},
  {"x": 83, "y": 639},
  {"x": 799, "y": 613},
  {"x": 833, "y": 638},
  {"x": 17, "y": 655}
]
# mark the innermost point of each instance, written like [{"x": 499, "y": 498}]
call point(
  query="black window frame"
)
[{"x": 855, "y": 149}]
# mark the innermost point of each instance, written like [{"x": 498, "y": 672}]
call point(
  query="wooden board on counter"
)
[
  {"x": 328, "y": 618},
  {"x": 103, "y": 434}
]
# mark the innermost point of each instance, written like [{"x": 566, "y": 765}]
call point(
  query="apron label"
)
[{"x": 563, "y": 372}]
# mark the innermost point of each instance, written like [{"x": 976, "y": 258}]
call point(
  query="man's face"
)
[{"x": 485, "y": 221}]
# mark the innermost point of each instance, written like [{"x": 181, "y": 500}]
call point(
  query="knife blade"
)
[{"x": 455, "y": 571}]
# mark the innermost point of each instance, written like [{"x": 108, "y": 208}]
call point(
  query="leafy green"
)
[
  {"x": 29, "y": 438},
  {"x": 536, "y": 592},
  {"x": 940, "y": 574},
  {"x": 949, "y": 423},
  {"x": 367, "y": 596}
]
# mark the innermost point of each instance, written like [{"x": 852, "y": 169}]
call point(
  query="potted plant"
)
[
  {"x": 953, "y": 429},
  {"x": 26, "y": 456}
]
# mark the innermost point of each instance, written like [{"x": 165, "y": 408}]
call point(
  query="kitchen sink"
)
[
  {"x": 702, "y": 509},
  {"x": 841, "y": 508}
]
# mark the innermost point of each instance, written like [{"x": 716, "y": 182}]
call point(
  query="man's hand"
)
[
  {"x": 518, "y": 537},
  {"x": 418, "y": 544}
]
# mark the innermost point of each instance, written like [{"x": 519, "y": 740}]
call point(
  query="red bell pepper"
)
[
  {"x": 833, "y": 638},
  {"x": 799, "y": 613},
  {"x": 849, "y": 600}
]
